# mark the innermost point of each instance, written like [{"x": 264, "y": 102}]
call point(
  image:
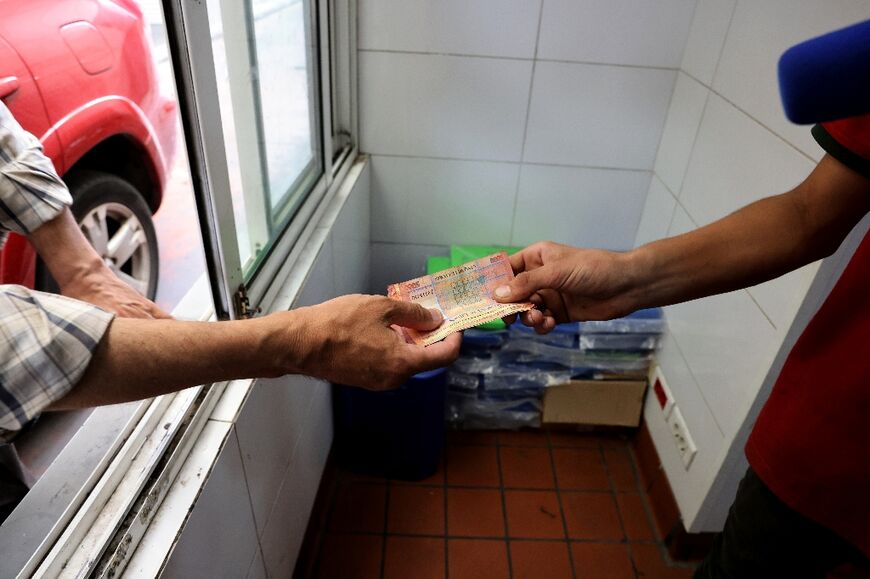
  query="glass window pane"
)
[
  {"x": 142, "y": 219},
  {"x": 264, "y": 56}
]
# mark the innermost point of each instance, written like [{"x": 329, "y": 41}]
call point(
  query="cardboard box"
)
[{"x": 594, "y": 402}]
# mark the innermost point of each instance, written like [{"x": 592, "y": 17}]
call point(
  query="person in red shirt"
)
[{"x": 803, "y": 507}]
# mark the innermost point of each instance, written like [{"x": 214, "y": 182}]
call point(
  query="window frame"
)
[{"x": 119, "y": 466}]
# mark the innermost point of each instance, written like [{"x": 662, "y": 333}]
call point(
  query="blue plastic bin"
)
[{"x": 397, "y": 434}]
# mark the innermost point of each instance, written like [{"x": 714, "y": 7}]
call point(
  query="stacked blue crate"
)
[{"x": 499, "y": 379}]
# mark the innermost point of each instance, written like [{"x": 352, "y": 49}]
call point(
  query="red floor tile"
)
[
  {"x": 650, "y": 563},
  {"x": 601, "y": 561},
  {"x": 528, "y": 468},
  {"x": 351, "y": 557},
  {"x": 540, "y": 560},
  {"x": 574, "y": 440},
  {"x": 620, "y": 469},
  {"x": 479, "y": 437},
  {"x": 617, "y": 441},
  {"x": 523, "y": 438},
  {"x": 475, "y": 466},
  {"x": 534, "y": 515},
  {"x": 592, "y": 516},
  {"x": 415, "y": 557},
  {"x": 474, "y": 513},
  {"x": 580, "y": 469},
  {"x": 477, "y": 559},
  {"x": 634, "y": 519},
  {"x": 359, "y": 507},
  {"x": 416, "y": 510}
]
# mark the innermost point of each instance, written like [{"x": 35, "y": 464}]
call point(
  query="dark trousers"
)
[{"x": 764, "y": 538}]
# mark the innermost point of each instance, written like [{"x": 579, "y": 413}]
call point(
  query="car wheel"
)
[{"x": 117, "y": 222}]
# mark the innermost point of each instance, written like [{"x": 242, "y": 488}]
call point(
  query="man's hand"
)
[
  {"x": 567, "y": 284},
  {"x": 358, "y": 340},
  {"x": 81, "y": 274},
  {"x": 103, "y": 288}
]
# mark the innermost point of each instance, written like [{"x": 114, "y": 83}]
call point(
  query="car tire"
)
[{"x": 102, "y": 203}]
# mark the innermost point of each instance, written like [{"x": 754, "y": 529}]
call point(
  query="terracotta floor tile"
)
[
  {"x": 580, "y": 469},
  {"x": 540, "y": 560},
  {"x": 601, "y": 561},
  {"x": 475, "y": 466},
  {"x": 649, "y": 563},
  {"x": 416, "y": 510},
  {"x": 592, "y": 516},
  {"x": 618, "y": 441},
  {"x": 477, "y": 559},
  {"x": 480, "y": 437},
  {"x": 634, "y": 519},
  {"x": 620, "y": 469},
  {"x": 415, "y": 557},
  {"x": 523, "y": 438},
  {"x": 574, "y": 440},
  {"x": 350, "y": 557},
  {"x": 474, "y": 513},
  {"x": 359, "y": 507},
  {"x": 528, "y": 468},
  {"x": 534, "y": 515}
]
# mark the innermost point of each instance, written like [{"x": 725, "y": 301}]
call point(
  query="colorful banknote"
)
[{"x": 463, "y": 294}]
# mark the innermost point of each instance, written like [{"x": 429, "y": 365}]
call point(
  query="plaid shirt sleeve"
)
[
  {"x": 46, "y": 344},
  {"x": 46, "y": 341},
  {"x": 31, "y": 193}
]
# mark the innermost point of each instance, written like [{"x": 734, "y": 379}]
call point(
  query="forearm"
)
[
  {"x": 144, "y": 358},
  {"x": 757, "y": 243},
  {"x": 740, "y": 250},
  {"x": 65, "y": 251}
]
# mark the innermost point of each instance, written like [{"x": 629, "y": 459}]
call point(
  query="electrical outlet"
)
[
  {"x": 685, "y": 445},
  {"x": 662, "y": 392}
]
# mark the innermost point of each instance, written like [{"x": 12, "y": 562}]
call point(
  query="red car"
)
[{"x": 79, "y": 74}]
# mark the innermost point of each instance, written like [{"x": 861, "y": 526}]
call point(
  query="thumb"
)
[
  {"x": 527, "y": 283},
  {"x": 414, "y": 316}
]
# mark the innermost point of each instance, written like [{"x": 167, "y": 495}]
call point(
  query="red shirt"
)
[{"x": 811, "y": 442}]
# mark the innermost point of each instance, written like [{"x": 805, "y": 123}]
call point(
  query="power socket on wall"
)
[{"x": 682, "y": 439}]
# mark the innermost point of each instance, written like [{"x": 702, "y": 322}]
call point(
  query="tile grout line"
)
[
  {"x": 507, "y": 545},
  {"x": 526, "y": 125},
  {"x": 497, "y": 538},
  {"x": 384, "y": 529},
  {"x": 616, "y": 504},
  {"x": 558, "y": 489},
  {"x": 503, "y": 162},
  {"x": 517, "y": 58}
]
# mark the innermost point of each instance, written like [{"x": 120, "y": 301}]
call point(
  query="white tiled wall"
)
[
  {"x": 725, "y": 144},
  {"x": 505, "y": 122}
]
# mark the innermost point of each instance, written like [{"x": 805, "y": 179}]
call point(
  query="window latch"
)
[{"x": 242, "y": 304}]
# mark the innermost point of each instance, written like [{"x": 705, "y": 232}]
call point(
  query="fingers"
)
[
  {"x": 413, "y": 316},
  {"x": 527, "y": 283},
  {"x": 158, "y": 313},
  {"x": 439, "y": 354}
]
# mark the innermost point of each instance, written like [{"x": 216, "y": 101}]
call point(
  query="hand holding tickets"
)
[{"x": 462, "y": 294}]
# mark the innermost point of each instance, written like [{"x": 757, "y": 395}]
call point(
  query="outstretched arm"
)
[
  {"x": 756, "y": 243},
  {"x": 350, "y": 340}
]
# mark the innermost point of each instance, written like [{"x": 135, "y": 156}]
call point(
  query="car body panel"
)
[{"x": 85, "y": 73}]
